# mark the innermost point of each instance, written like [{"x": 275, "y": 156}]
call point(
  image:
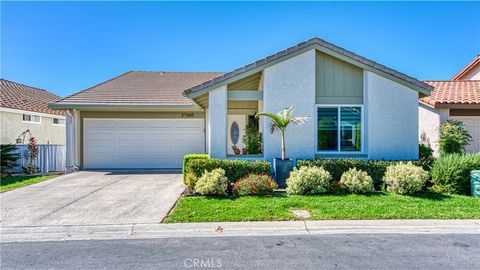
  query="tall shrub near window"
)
[{"x": 454, "y": 137}]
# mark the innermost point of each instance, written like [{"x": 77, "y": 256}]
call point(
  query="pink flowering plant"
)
[
  {"x": 30, "y": 154},
  {"x": 255, "y": 184}
]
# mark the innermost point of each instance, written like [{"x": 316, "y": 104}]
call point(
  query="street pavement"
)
[{"x": 327, "y": 251}]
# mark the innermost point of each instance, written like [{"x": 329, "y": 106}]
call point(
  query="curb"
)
[{"x": 235, "y": 229}]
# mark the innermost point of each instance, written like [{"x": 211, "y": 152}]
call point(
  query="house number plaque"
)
[{"x": 187, "y": 115}]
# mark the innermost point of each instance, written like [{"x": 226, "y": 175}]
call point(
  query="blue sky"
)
[{"x": 66, "y": 47}]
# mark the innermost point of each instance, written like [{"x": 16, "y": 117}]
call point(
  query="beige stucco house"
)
[
  {"x": 458, "y": 98},
  {"x": 24, "y": 112},
  {"x": 358, "y": 108}
]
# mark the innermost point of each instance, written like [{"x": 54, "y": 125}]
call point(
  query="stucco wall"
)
[
  {"x": 288, "y": 83},
  {"x": 430, "y": 120},
  {"x": 217, "y": 122},
  {"x": 45, "y": 132},
  {"x": 392, "y": 119},
  {"x": 473, "y": 74}
]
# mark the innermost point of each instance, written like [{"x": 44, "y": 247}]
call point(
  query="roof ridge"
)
[
  {"x": 29, "y": 86},
  {"x": 162, "y": 71},
  {"x": 306, "y": 44},
  {"x": 98, "y": 84}
]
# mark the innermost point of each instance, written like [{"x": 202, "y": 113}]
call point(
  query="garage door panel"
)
[{"x": 141, "y": 143}]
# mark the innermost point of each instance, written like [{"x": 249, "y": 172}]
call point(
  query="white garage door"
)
[
  {"x": 472, "y": 123},
  {"x": 141, "y": 143}
]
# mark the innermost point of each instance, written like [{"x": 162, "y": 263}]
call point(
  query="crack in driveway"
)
[{"x": 78, "y": 199}]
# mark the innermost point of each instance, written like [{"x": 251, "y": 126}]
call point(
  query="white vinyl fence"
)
[{"x": 50, "y": 158}]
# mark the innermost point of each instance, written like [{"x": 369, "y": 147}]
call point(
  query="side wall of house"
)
[
  {"x": 392, "y": 113},
  {"x": 217, "y": 122},
  {"x": 45, "y": 132},
  {"x": 430, "y": 120},
  {"x": 291, "y": 83}
]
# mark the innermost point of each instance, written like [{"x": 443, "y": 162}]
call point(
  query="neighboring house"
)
[
  {"x": 359, "y": 109},
  {"x": 25, "y": 108},
  {"x": 457, "y": 99}
]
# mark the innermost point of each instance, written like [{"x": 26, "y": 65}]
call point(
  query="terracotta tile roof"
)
[
  {"x": 141, "y": 87},
  {"x": 467, "y": 68},
  {"x": 309, "y": 43},
  {"x": 453, "y": 92},
  {"x": 23, "y": 97}
]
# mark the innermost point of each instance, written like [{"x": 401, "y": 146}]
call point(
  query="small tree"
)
[
  {"x": 453, "y": 137},
  {"x": 281, "y": 120},
  {"x": 30, "y": 155}
]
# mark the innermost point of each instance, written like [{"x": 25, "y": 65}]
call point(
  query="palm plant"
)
[
  {"x": 281, "y": 120},
  {"x": 9, "y": 157}
]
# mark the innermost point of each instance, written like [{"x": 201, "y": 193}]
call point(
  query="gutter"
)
[{"x": 125, "y": 107}]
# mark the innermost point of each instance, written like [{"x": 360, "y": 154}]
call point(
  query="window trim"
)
[
  {"x": 32, "y": 122},
  {"x": 53, "y": 121},
  {"x": 362, "y": 129}
]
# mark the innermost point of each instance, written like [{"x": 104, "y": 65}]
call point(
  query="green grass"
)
[
  {"x": 12, "y": 182},
  {"x": 322, "y": 207}
]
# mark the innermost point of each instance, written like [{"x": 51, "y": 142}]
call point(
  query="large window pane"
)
[
  {"x": 327, "y": 129},
  {"x": 350, "y": 129}
]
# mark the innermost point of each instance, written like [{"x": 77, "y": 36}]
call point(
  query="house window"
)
[
  {"x": 339, "y": 129},
  {"x": 58, "y": 121},
  {"x": 29, "y": 118}
]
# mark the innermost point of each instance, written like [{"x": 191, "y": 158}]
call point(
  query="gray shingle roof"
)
[
  {"x": 140, "y": 88},
  {"x": 302, "y": 45}
]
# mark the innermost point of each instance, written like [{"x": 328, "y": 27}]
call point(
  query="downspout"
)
[{"x": 70, "y": 141}]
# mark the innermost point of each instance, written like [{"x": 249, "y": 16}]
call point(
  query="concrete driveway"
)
[{"x": 93, "y": 198}]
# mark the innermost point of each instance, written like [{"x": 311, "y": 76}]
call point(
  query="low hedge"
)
[
  {"x": 451, "y": 173},
  {"x": 187, "y": 158},
  {"x": 234, "y": 169},
  {"x": 336, "y": 167}
]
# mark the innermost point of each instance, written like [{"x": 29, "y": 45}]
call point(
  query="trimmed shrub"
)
[
  {"x": 188, "y": 157},
  {"x": 336, "y": 167},
  {"x": 308, "y": 180},
  {"x": 254, "y": 184},
  {"x": 189, "y": 179},
  {"x": 356, "y": 181},
  {"x": 212, "y": 183},
  {"x": 234, "y": 169},
  {"x": 451, "y": 173},
  {"x": 405, "y": 178},
  {"x": 453, "y": 137}
]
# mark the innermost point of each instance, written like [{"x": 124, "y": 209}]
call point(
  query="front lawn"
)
[
  {"x": 321, "y": 207},
  {"x": 12, "y": 182}
]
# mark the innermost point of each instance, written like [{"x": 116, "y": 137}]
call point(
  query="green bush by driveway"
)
[{"x": 322, "y": 207}]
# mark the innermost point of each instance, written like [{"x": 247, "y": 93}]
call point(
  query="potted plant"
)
[
  {"x": 282, "y": 166},
  {"x": 236, "y": 150}
]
